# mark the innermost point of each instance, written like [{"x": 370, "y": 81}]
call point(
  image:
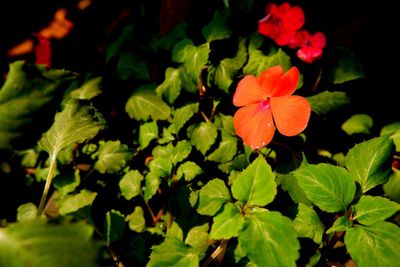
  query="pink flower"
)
[
  {"x": 281, "y": 23},
  {"x": 310, "y": 46}
]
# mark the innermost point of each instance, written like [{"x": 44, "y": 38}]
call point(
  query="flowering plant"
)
[{"x": 231, "y": 138}]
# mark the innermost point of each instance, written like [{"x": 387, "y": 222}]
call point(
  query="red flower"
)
[
  {"x": 281, "y": 23},
  {"x": 311, "y": 46},
  {"x": 267, "y": 102},
  {"x": 43, "y": 50}
]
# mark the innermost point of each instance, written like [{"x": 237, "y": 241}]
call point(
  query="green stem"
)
[{"x": 52, "y": 168}]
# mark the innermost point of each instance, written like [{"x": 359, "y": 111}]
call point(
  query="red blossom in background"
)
[
  {"x": 310, "y": 46},
  {"x": 281, "y": 23},
  {"x": 267, "y": 102},
  {"x": 43, "y": 50}
]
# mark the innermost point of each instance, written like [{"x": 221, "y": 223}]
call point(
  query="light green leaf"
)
[
  {"x": 175, "y": 231},
  {"x": 182, "y": 115},
  {"x": 212, "y": 196},
  {"x": 75, "y": 124},
  {"x": 114, "y": 226},
  {"x": 370, "y": 210},
  {"x": 256, "y": 184},
  {"x": 72, "y": 203},
  {"x": 25, "y": 99},
  {"x": 369, "y": 162},
  {"x": 136, "y": 220},
  {"x": 130, "y": 66},
  {"x": 26, "y": 212},
  {"x": 88, "y": 89},
  {"x": 347, "y": 67},
  {"x": 67, "y": 181},
  {"x": 269, "y": 239},
  {"x": 147, "y": 132},
  {"x": 226, "y": 150},
  {"x": 374, "y": 245},
  {"x": 288, "y": 183},
  {"x": 329, "y": 187},
  {"x": 144, "y": 103},
  {"x": 181, "y": 151},
  {"x": 171, "y": 86},
  {"x": 228, "y": 223},
  {"x": 161, "y": 166},
  {"x": 152, "y": 182},
  {"x": 203, "y": 136},
  {"x": 357, "y": 124},
  {"x": 326, "y": 102},
  {"x": 189, "y": 170},
  {"x": 217, "y": 29},
  {"x": 341, "y": 224},
  {"x": 258, "y": 62},
  {"x": 37, "y": 244},
  {"x": 167, "y": 136},
  {"x": 225, "y": 124},
  {"x": 392, "y": 187},
  {"x": 112, "y": 157},
  {"x": 197, "y": 238},
  {"x": 308, "y": 224},
  {"x": 130, "y": 184}
]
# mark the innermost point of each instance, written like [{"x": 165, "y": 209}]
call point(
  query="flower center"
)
[
  {"x": 265, "y": 104},
  {"x": 308, "y": 43}
]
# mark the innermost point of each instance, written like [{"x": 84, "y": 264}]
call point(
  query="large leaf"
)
[
  {"x": 269, "y": 239},
  {"x": 144, "y": 103},
  {"x": 374, "y": 245},
  {"x": 369, "y": 162},
  {"x": 130, "y": 184},
  {"x": 370, "y": 210},
  {"x": 112, "y": 157},
  {"x": 203, "y": 136},
  {"x": 217, "y": 29},
  {"x": 75, "y": 124},
  {"x": 228, "y": 223},
  {"x": 37, "y": 244},
  {"x": 171, "y": 86},
  {"x": 256, "y": 184},
  {"x": 327, "y": 101},
  {"x": 25, "y": 99},
  {"x": 329, "y": 187},
  {"x": 212, "y": 196},
  {"x": 308, "y": 224},
  {"x": 357, "y": 124},
  {"x": 259, "y": 62}
]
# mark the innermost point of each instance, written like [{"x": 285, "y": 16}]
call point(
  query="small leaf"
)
[
  {"x": 114, "y": 226},
  {"x": 217, "y": 29},
  {"x": 358, "y": 124},
  {"x": 370, "y": 210},
  {"x": 308, "y": 224},
  {"x": 26, "y": 212},
  {"x": 369, "y": 162},
  {"x": 182, "y": 115},
  {"x": 203, "y": 136},
  {"x": 197, "y": 238},
  {"x": 268, "y": 239},
  {"x": 130, "y": 66},
  {"x": 288, "y": 183},
  {"x": 152, "y": 182},
  {"x": 136, "y": 220},
  {"x": 161, "y": 166},
  {"x": 340, "y": 225},
  {"x": 329, "y": 187},
  {"x": 112, "y": 157},
  {"x": 380, "y": 244},
  {"x": 147, "y": 132},
  {"x": 181, "y": 151},
  {"x": 144, "y": 103},
  {"x": 393, "y": 129},
  {"x": 259, "y": 62},
  {"x": 226, "y": 150},
  {"x": 212, "y": 196},
  {"x": 126, "y": 37},
  {"x": 225, "y": 124},
  {"x": 67, "y": 181},
  {"x": 130, "y": 184},
  {"x": 88, "y": 90},
  {"x": 348, "y": 68},
  {"x": 168, "y": 40},
  {"x": 228, "y": 223},
  {"x": 189, "y": 170},
  {"x": 256, "y": 184},
  {"x": 171, "y": 86},
  {"x": 72, "y": 203},
  {"x": 175, "y": 231},
  {"x": 327, "y": 101},
  {"x": 392, "y": 187}
]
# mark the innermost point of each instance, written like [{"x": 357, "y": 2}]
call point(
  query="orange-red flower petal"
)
[
  {"x": 248, "y": 91},
  {"x": 291, "y": 114},
  {"x": 285, "y": 84},
  {"x": 254, "y": 124}
]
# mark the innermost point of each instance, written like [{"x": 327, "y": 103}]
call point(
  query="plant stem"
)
[
  {"x": 52, "y": 168},
  {"x": 318, "y": 78}
]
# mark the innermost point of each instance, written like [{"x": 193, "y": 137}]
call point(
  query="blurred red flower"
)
[
  {"x": 267, "y": 102},
  {"x": 281, "y": 22},
  {"x": 310, "y": 46}
]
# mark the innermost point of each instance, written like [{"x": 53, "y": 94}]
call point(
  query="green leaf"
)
[
  {"x": 130, "y": 184},
  {"x": 136, "y": 220},
  {"x": 114, "y": 226},
  {"x": 340, "y": 225},
  {"x": 369, "y": 162},
  {"x": 347, "y": 68},
  {"x": 256, "y": 184},
  {"x": 72, "y": 203},
  {"x": 258, "y": 62},
  {"x": 25, "y": 99},
  {"x": 75, "y": 124},
  {"x": 329, "y": 187},
  {"x": 112, "y": 157},
  {"x": 168, "y": 40},
  {"x": 226, "y": 150},
  {"x": 374, "y": 245},
  {"x": 326, "y": 102},
  {"x": 218, "y": 28},
  {"x": 370, "y": 210},
  {"x": 171, "y": 86},
  {"x": 152, "y": 182},
  {"x": 130, "y": 66},
  {"x": 197, "y": 238},
  {"x": 26, "y": 212},
  {"x": 181, "y": 151},
  {"x": 288, "y": 183},
  {"x": 269, "y": 239},
  {"x": 212, "y": 196},
  {"x": 175, "y": 231},
  {"x": 182, "y": 115},
  {"x": 203, "y": 136},
  {"x": 88, "y": 90},
  {"x": 308, "y": 224},
  {"x": 144, "y": 103},
  {"x": 225, "y": 124},
  {"x": 393, "y": 129},
  {"x": 228, "y": 223},
  {"x": 189, "y": 170},
  {"x": 67, "y": 181},
  {"x": 161, "y": 166},
  {"x": 115, "y": 48},
  {"x": 392, "y": 187},
  {"x": 358, "y": 124},
  {"x": 37, "y": 244},
  {"x": 147, "y": 132}
]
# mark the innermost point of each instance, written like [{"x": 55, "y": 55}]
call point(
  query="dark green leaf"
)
[
  {"x": 357, "y": 124},
  {"x": 288, "y": 183},
  {"x": 369, "y": 162},
  {"x": 327, "y": 101},
  {"x": 212, "y": 196},
  {"x": 115, "y": 48},
  {"x": 167, "y": 41},
  {"x": 130, "y": 66},
  {"x": 112, "y": 157},
  {"x": 347, "y": 68},
  {"x": 67, "y": 181},
  {"x": 217, "y": 29},
  {"x": 130, "y": 184},
  {"x": 114, "y": 226},
  {"x": 171, "y": 86},
  {"x": 393, "y": 129},
  {"x": 203, "y": 136},
  {"x": 370, "y": 210},
  {"x": 392, "y": 187},
  {"x": 72, "y": 203},
  {"x": 308, "y": 224},
  {"x": 228, "y": 223}
]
